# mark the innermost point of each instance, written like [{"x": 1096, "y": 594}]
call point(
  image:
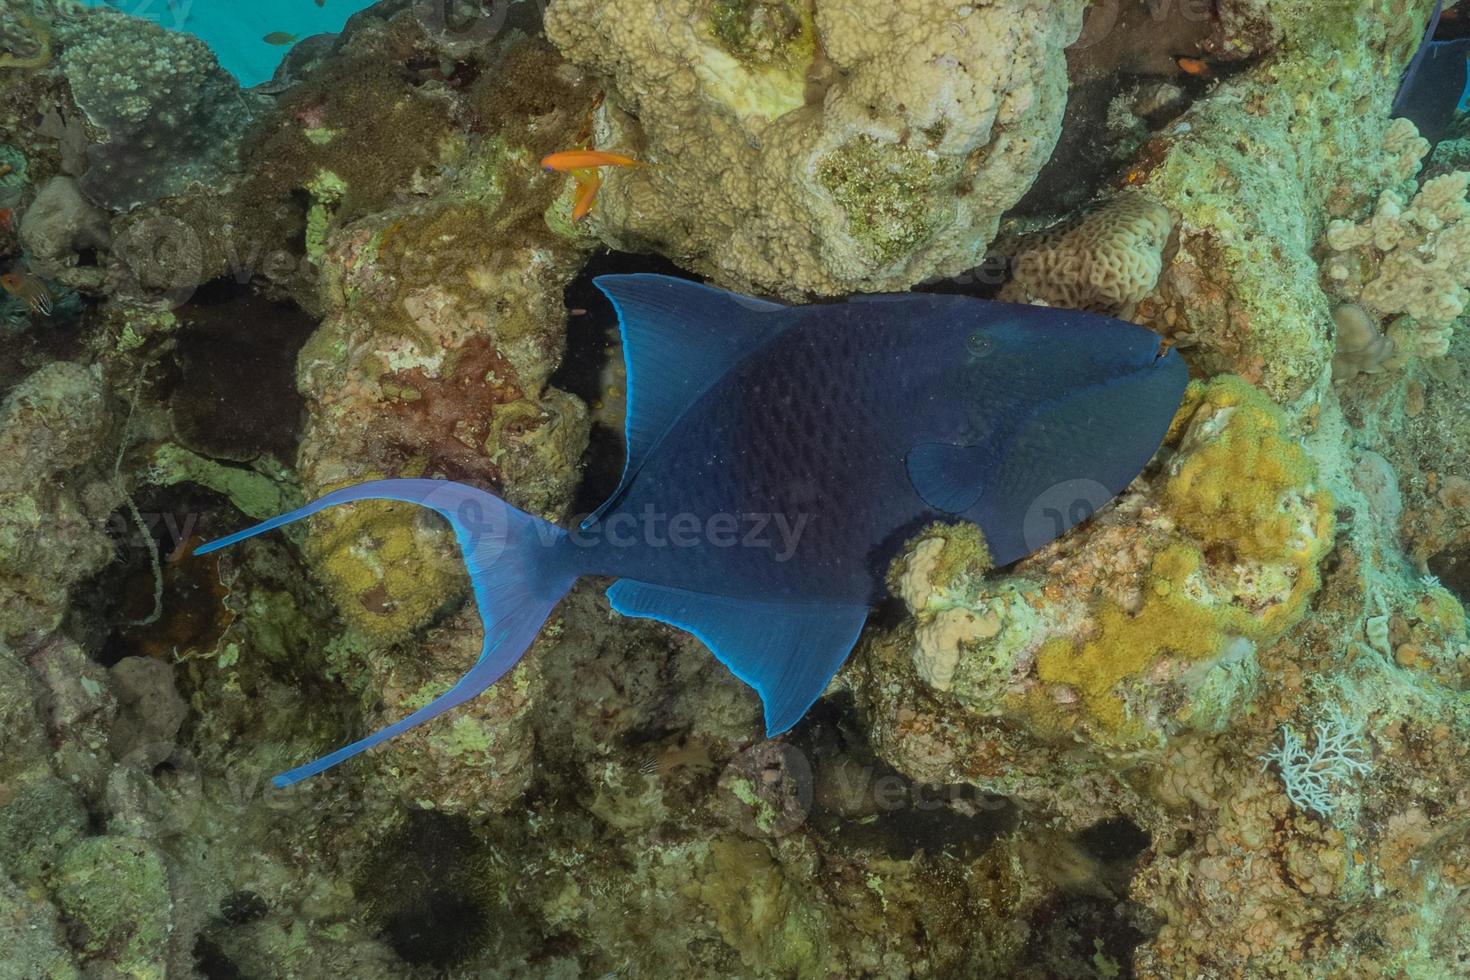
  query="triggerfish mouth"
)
[{"x": 778, "y": 458}]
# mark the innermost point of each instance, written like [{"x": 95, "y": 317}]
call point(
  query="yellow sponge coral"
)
[
  {"x": 1250, "y": 528},
  {"x": 1241, "y": 477},
  {"x": 389, "y": 571}
]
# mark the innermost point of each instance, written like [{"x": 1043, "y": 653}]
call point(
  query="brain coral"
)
[
  {"x": 1106, "y": 261},
  {"x": 861, "y": 145}
]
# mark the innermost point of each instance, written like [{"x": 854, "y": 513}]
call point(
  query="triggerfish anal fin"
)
[
  {"x": 516, "y": 576},
  {"x": 679, "y": 338},
  {"x": 949, "y": 478},
  {"x": 787, "y": 651}
]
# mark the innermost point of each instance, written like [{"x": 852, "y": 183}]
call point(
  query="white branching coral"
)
[
  {"x": 1315, "y": 777},
  {"x": 1410, "y": 259}
]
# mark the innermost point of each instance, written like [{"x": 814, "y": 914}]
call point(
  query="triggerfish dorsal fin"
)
[
  {"x": 679, "y": 338},
  {"x": 1436, "y": 84},
  {"x": 1406, "y": 84},
  {"x": 787, "y": 651},
  {"x": 949, "y": 478}
]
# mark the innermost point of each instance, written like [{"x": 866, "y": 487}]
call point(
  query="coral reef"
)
[
  {"x": 52, "y": 425},
  {"x": 58, "y": 226},
  {"x": 169, "y": 116},
  {"x": 1216, "y": 730},
  {"x": 842, "y": 147},
  {"x": 1409, "y": 259}
]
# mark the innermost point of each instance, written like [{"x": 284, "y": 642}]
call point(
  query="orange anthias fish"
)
[
  {"x": 583, "y": 165},
  {"x": 589, "y": 182},
  {"x": 24, "y": 286},
  {"x": 582, "y": 159},
  {"x": 1197, "y": 67}
]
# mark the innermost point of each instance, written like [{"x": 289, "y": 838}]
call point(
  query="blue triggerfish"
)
[
  {"x": 778, "y": 458},
  {"x": 1436, "y": 84}
]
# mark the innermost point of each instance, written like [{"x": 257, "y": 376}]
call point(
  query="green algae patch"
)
[
  {"x": 763, "y": 32},
  {"x": 758, "y": 59},
  {"x": 115, "y": 892},
  {"x": 253, "y": 494},
  {"x": 886, "y": 191},
  {"x": 760, "y": 912}
]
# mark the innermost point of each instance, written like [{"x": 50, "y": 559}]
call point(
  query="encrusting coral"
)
[
  {"x": 172, "y": 118},
  {"x": 1360, "y": 347},
  {"x": 1218, "y": 556}
]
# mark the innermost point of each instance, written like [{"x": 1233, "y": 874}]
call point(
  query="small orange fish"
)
[
  {"x": 24, "y": 286},
  {"x": 6, "y": 170},
  {"x": 7, "y": 219},
  {"x": 1197, "y": 67},
  {"x": 589, "y": 182},
  {"x": 582, "y": 164},
  {"x": 569, "y": 160}
]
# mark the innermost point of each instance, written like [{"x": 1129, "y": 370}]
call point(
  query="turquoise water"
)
[{"x": 236, "y": 31}]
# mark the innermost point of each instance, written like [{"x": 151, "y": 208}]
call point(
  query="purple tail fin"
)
[{"x": 517, "y": 572}]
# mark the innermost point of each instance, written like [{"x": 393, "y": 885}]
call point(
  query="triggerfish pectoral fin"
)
[
  {"x": 787, "y": 651},
  {"x": 516, "y": 572},
  {"x": 949, "y": 477}
]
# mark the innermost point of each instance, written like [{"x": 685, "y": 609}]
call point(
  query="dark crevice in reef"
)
[
  {"x": 213, "y": 963},
  {"x": 592, "y": 342},
  {"x": 428, "y": 892},
  {"x": 176, "y": 519},
  {"x": 860, "y": 803},
  {"x": 1119, "y": 839},
  {"x": 231, "y": 390},
  {"x": 1090, "y": 921},
  {"x": 1156, "y": 57},
  {"x": 1452, "y": 568},
  {"x": 236, "y": 910},
  {"x": 1085, "y": 935}
]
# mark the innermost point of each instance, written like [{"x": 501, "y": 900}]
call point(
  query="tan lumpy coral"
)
[
  {"x": 1105, "y": 261},
  {"x": 1411, "y": 257},
  {"x": 1361, "y": 347},
  {"x": 841, "y": 146}
]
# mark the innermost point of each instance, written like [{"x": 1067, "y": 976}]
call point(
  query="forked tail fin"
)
[{"x": 516, "y": 570}]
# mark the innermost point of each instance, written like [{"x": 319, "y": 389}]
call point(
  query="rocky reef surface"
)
[{"x": 1218, "y": 730}]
